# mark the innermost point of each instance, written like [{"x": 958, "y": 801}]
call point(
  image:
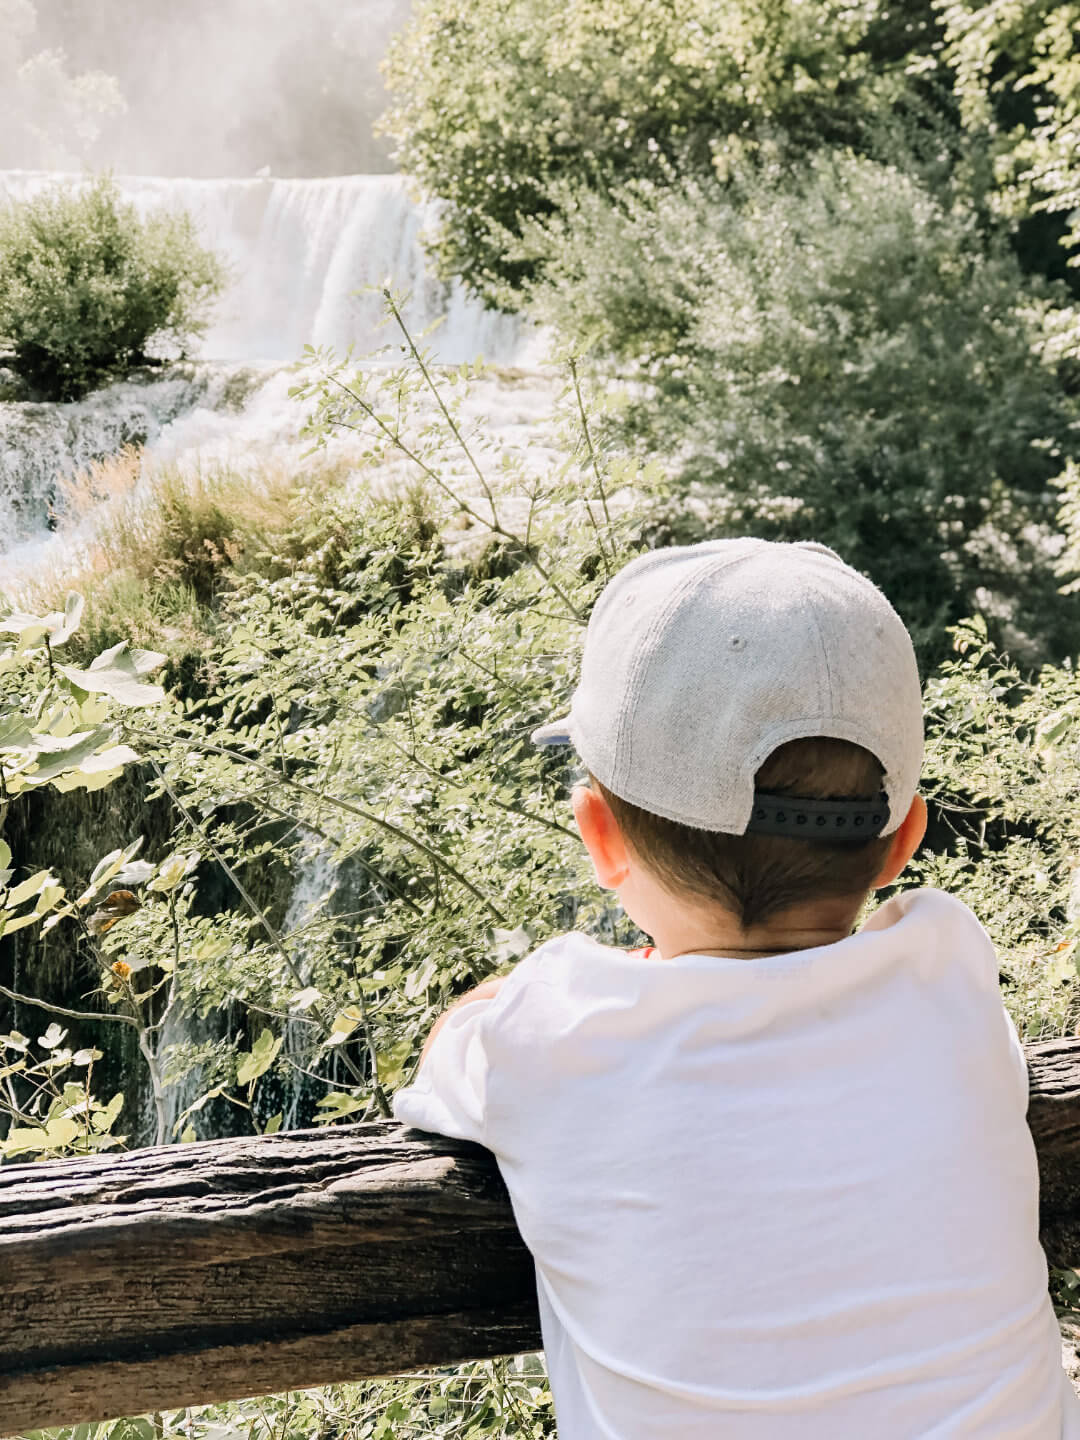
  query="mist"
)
[{"x": 207, "y": 88}]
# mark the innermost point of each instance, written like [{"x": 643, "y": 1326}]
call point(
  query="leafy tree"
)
[
  {"x": 496, "y": 100},
  {"x": 834, "y": 355},
  {"x": 88, "y": 289},
  {"x": 49, "y": 117},
  {"x": 1017, "y": 68}
]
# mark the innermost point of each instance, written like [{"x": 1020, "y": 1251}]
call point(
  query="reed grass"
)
[{"x": 153, "y": 547}]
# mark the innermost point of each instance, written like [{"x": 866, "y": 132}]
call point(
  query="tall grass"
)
[{"x": 153, "y": 547}]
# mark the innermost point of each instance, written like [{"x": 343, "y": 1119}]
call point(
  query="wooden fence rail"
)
[{"x": 193, "y": 1273}]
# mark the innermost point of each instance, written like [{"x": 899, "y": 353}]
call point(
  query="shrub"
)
[
  {"x": 1018, "y": 83},
  {"x": 88, "y": 289},
  {"x": 159, "y": 546},
  {"x": 496, "y": 100},
  {"x": 835, "y": 355},
  {"x": 1001, "y": 776}
]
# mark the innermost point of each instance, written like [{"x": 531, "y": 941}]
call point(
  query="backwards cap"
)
[{"x": 701, "y": 660}]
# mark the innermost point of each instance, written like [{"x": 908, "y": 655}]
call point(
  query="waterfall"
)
[
  {"x": 317, "y": 875},
  {"x": 299, "y": 250},
  {"x": 40, "y": 442},
  {"x": 300, "y": 254}
]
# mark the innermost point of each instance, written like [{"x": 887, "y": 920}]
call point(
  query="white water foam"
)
[{"x": 304, "y": 256}]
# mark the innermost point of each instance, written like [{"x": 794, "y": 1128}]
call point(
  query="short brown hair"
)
[{"x": 756, "y": 877}]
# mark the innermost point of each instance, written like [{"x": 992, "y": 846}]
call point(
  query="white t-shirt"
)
[{"x": 786, "y": 1197}]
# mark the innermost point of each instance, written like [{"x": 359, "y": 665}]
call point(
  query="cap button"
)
[{"x": 737, "y": 642}]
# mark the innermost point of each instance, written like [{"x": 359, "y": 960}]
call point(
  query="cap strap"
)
[{"x": 828, "y": 820}]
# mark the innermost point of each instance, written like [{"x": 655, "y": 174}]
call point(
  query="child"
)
[{"x": 776, "y": 1176}]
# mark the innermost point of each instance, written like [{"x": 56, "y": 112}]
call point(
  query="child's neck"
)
[{"x": 706, "y": 930}]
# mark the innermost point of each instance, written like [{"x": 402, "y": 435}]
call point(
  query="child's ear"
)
[
  {"x": 601, "y": 835},
  {"x": 905, "y": 841}
]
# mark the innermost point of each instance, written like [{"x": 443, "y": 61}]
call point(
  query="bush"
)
[
  {"x": 1001, "y": 775},
  {"x": 1018, "y": 83},
  {"x": 159, "y": 545},
  {"x": 88, "y": 289},
  {"x": 835, "y": 355},
  {"x": 496, "y": 100}
]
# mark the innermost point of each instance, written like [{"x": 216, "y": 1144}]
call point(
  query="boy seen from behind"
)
[{"x": 776, "y": 1176}]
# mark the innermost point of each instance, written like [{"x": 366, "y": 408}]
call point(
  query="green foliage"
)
[
  {"x": 1017, "y": 68},
  {"x": 497, "y": 100},
  {"x": 496, "y": 1400},
  {"x": 376, "y": 696},
  {"x": 1001, "y": 775},
  {"x": 88, "y": 289},
  {"x": 158, "y": 544},
  {"x": 367, "y": 691},
  {"x": 57, "y": 722},
  {"x": 834, "y": 355},
  {"x": 59, "y": 730},
  {"x": 60, "y": 1115}
]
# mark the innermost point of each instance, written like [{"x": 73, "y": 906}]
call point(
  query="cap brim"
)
[{"x": 556, "y": 732}]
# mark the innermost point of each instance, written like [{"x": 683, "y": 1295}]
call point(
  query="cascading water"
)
[
  {"x": 316, "y": 878},
  {"x": 304, "y": 254},
  {"x": 306, "y": 258}
]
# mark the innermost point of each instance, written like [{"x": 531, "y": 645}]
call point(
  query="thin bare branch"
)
[{"x": 63, "y": 1010}]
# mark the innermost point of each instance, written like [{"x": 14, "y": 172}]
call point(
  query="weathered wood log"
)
[
  {"x": 190, "y": 1273},
  {"x": 212, "y": 1271},
  {"x": 1054, "y": 1120}
]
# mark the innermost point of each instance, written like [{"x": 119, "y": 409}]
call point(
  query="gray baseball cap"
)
[{"x": 700, "y": 660}]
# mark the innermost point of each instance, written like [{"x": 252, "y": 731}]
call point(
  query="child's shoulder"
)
[{"x": 937, "y": 933}]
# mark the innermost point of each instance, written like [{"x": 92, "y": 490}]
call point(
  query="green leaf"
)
[
  {"x": 392, "y": 1063},
  {"x": 69, "y": 622},
  {"x": 22, "y": 1138},
  {"x": 104, "y": 1118},
  {"x": 16, "y": 732},
  {"x": 61, "y": 1131},
  {"x": 67, "y": 753},
  {"x": 118, "y": 673},
  {"x": 345, "y": 1022},
  {"x": 172, "y": 871},
  {"x": 18, "y": 622},
  {"x": 49, "y": 896},
  {"x": 27, "y": 889},
  {"x": 258, "y": 1060},
  {"x": 337, "y": 1103}
]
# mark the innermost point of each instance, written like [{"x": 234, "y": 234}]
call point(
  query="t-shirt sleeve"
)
[{"x": 449, "y": 1094}]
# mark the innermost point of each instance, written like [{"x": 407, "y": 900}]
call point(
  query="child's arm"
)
[
  {"x": 448, "y": 1094},
  {"x": 487, "y": 991}
]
